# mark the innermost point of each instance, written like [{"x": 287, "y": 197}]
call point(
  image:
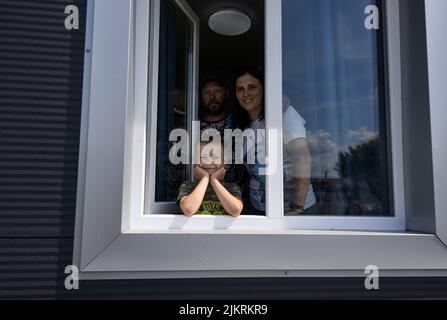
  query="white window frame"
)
[
  {"x": 140, "y": 218},
  {"x": 113, "y": 241}
]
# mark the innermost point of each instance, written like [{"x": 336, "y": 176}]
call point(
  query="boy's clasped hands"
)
[{"x": 216, "y": 176}]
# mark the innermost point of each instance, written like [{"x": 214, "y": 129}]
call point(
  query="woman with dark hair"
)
[{"x": 299, "y": 197}]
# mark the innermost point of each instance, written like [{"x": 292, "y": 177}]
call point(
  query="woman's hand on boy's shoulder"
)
[{"x": 200, "y": 174}]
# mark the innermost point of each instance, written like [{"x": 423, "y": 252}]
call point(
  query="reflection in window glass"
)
[
  {"x": 333, "y": 82},
  {"x": 175, "y": 35}
]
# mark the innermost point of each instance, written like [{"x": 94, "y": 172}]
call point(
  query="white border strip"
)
[{"x": 273, "y": 101}]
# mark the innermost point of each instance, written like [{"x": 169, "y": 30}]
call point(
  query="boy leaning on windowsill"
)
[{"x": 209, "y": 194}]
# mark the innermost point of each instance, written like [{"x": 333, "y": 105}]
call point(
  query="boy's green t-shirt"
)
[{"x": 210, "y": 204}]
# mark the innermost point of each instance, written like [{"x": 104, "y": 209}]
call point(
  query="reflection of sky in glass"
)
[{"x": 330, "y": 74}]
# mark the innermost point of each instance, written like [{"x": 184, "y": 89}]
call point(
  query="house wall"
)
[{"x": 41, "y": 69}]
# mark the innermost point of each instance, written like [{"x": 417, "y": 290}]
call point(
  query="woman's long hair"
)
[{"x": 242, "y": 118}]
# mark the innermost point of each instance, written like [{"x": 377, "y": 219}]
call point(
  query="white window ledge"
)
[{"x": 296, "y": 253}]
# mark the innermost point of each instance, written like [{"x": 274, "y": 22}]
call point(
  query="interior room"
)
[{"x": 220, "y": 54}]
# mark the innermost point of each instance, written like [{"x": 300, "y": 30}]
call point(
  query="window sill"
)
[{"x": 173, "y": 254}]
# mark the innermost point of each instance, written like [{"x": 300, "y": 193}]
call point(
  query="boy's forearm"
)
[
  {"x": 231, "y": 204},
  {"x": 191, "y": 203}
]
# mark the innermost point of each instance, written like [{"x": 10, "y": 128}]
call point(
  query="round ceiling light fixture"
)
[{"x": 229, "y": 22}]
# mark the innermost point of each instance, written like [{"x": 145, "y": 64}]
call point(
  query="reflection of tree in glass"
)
[{"x": 359, "y": 168}]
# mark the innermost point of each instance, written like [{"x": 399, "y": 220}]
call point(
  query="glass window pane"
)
[
  {"x": 175, "y": 48},
  {"x": 334, "y": 110}
]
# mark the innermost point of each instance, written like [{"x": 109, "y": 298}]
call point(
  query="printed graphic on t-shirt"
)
[
  {"x": 219, "y": 125},
  {"x": 211, "y": 207}
]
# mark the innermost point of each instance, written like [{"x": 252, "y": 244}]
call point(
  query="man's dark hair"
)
[{"x": 219, "y": 80}]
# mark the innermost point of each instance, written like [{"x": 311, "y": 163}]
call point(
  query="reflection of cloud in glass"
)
[
  {"x": 324, "y": 154},
  {"x": 325, "y": 151},
  {"x": 356, "y": 137}
]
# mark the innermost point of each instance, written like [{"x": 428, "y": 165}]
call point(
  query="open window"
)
[{"x": 185, "y": 50}]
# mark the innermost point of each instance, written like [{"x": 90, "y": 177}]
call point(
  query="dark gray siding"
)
[
  {"x": 40, "y": 96},
  {"x": 41, "y": 67}
]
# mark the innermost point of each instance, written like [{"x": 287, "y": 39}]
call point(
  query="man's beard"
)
[{"x": 215, "y": 109}]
